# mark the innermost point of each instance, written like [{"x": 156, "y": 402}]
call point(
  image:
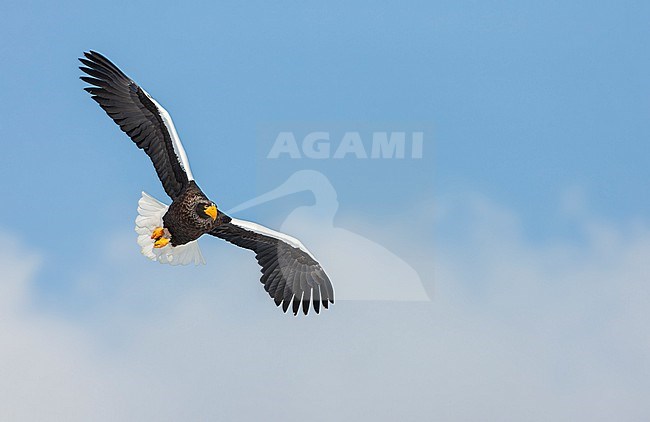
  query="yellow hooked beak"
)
[{"x": 211, "y": 211}]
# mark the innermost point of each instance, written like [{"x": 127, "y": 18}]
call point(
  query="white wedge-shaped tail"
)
[{"x": 150, "y": 217}]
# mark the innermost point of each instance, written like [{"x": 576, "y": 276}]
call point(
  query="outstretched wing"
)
[
  {"x": 290, "y": 274},
  {"x": 145, "y": 121}
]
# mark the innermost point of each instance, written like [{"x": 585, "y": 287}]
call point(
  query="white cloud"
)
[
  {"x": 45, "y": 371},
  {"x": 516, "y": 330}
]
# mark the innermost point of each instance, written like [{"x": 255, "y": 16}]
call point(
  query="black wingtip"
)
[
  {"x": 285, "y": 305},
  {"x": 296, "y": 305},
  {"x": 91, "y": 81},
  {"x": 88, "y": 55},
  {"x": 97, "y": 61},
  {"x": 92, "y": 53}
]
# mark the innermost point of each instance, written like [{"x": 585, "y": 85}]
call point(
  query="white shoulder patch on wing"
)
[
  {"x": 150, "y": 216},
  {"x": 176, "y": 141},
  {"x": 258, "y": 228}
]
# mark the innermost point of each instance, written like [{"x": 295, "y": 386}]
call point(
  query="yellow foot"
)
[
  {"x": 161, "y": 243},
  {"x": 158, "y": 233}
]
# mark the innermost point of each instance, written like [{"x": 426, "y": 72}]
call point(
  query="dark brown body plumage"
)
[{"x": 184, "y": 218}]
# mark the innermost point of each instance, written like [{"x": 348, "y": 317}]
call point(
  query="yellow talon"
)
[
  {"x": 158, "y": 233},
  {"x": 161, "y": 243}
]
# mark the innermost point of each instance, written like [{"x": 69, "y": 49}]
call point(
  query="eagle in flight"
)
[{"x": 169, "y": 234}]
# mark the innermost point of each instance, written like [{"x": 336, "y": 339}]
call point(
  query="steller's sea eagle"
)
[{"x": 168, "y": 234}]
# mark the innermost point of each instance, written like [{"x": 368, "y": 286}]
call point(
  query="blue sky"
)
[
  {"x": 536, "y": 155},
  {"x": 524, "y": 99}
]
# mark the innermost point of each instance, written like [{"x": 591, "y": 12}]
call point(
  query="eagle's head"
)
[{"x": 206, "y": 211}]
